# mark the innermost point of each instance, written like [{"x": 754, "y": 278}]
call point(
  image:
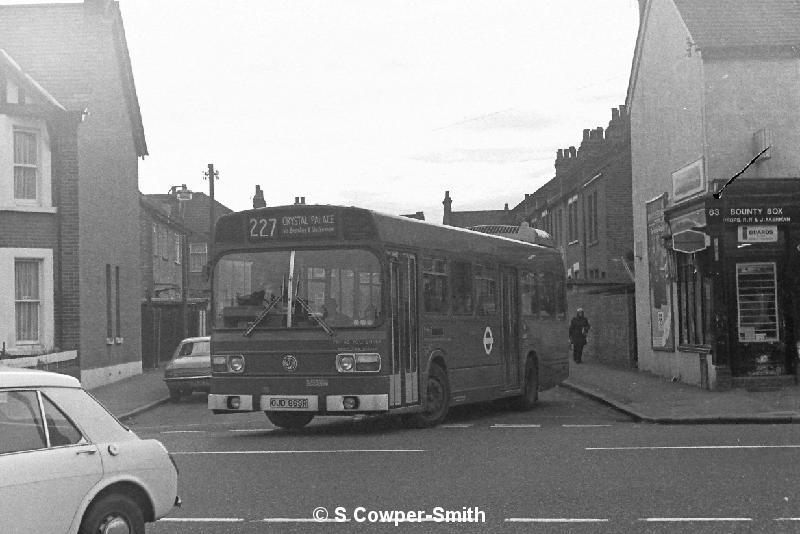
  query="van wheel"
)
[
  {"x": 437, "y": 400},
  {"x": 113, "y": 513},
  {"x": 289, "y": 420},
  {"x": 530, "y": 392}
]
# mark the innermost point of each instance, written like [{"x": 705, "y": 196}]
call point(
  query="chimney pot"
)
[
  {"x": 573, "y": 152},
  {"x": 623, "y": 110},
  {"x": 296, "y": 200},
  {"x": 614, "y": 113},
  {"x": 560, "y": 154},
  {"x": 586, "y": 134},
  {"x": 302, "y": 200},
  {"x": 506, "y": 207}
]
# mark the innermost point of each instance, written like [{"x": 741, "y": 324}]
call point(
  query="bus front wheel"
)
[
  {"x": 289, "y": 420},
  {"x": 437, "y": 400}
]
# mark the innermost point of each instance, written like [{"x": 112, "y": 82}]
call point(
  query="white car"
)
[{"x": 67, "y": 465}]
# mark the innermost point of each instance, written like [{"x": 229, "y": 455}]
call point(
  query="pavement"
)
[{"x": 643, "y": 396}]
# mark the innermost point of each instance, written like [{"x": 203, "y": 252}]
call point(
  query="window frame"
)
[
  {"x": 37, "y": 181},
  {"x": 38, "y": 300},
  {"x": 200, "y": 255}
]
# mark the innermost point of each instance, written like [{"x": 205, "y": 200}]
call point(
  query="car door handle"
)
[{"x": 87, "y": 451}]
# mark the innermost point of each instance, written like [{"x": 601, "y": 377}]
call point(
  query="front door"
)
[
  {"x": 404, "y": 380},
  {"x": 510, "y": 316}
]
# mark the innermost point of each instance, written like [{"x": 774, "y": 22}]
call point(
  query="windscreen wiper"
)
[
  {"x": 261, "y": 316},
  {"x": 320, "y": 321}
]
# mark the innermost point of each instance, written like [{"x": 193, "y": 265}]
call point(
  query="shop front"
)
[{"x": 736, "y": 264}]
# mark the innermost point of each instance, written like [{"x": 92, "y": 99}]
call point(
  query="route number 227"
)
[{"x": 262, "y": 227}]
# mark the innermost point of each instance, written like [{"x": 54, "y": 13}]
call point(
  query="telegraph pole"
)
[{"x": 210, "y": 175}]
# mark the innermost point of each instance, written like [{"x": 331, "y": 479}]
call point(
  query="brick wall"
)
[{"x": 612, "y": 338}]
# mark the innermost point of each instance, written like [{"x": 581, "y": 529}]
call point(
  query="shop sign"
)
[
  {"x": 753, "y": 214},
  {"x": 690, "y": 241},
  {"x": 758, "y": 234},
  {"x": 688, "y": 180}
]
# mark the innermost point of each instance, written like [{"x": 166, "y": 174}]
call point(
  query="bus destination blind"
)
[{"x": 276, "y": 226}]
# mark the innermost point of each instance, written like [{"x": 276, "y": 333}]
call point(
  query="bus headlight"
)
[
  {"x": 236, "y": 363},
  {"x": 345, "y": 363},
  {"x": 368, "y": 362}
]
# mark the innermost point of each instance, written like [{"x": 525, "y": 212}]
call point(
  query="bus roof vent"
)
[{"x": 523, "y": 232}]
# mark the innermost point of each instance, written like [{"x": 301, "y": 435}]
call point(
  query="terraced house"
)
[{"x": 70, "y": 137}]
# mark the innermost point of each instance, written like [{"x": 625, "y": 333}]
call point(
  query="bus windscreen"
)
[{"x": 333, "y": 288}]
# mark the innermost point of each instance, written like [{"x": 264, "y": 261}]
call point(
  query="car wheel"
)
[
  {"x": 437, "y": 400},
  {"x": 175, "y": 394},
  {"x": 112, "y": 514},
  {"x": 289, "y": 420},
  {"x": 530, "y": 392}
]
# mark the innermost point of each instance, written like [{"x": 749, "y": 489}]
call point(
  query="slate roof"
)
[
  {"x": 59, "y": 45},
  {"x": 741, "y": 23},
  {"x": 465, "y": 219},
  {"x": 195, "y": 211}
]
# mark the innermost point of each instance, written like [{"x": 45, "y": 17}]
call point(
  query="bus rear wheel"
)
[
  {"x": 530, "y": 392},
  {"x": 437, "y": 400},
  {"x": 289, "y": 420}
]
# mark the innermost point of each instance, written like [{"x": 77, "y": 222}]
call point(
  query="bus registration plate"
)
[{"x": 278, "y": 403}]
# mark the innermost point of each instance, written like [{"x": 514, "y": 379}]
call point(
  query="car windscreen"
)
[{"x": 194, "y": 348}]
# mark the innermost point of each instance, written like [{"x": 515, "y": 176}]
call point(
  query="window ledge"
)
[{"x": 30, "y": 209}]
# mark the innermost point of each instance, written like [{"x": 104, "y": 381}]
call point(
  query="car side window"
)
[
  {"x": 59, "y": 427},
  {"x": 20, "y": 422}
]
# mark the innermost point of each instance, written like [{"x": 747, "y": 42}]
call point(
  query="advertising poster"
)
[{"x": 660, "y": 294}]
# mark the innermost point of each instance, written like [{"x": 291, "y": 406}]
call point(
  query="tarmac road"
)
[{"x": 570, "y": 465}]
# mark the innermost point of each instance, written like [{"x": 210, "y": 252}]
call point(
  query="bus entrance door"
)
[
  {"x": 510, "y": 315},
  {"x": 404, "y": 380}
]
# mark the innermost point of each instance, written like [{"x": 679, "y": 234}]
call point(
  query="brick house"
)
[
  {"x": 69, "y": 201},
  {"x": 713, "y": 94},
  {"x": 586, "y": 209}
]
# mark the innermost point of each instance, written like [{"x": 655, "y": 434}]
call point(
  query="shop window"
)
[
  {"x": 462, "y": 288},
  {"x": 694, "y": 301},
  {"x": 757, "y": 302},
  {"x": 434, "y": 285}
]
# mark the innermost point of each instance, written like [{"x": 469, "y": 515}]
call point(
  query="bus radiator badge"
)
[{"x": 289, "y": 363}]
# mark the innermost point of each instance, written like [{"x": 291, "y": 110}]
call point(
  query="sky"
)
[{"x": 383, "y": 104}]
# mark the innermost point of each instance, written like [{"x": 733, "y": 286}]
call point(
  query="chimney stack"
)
[{"x": 258, "y": 198}]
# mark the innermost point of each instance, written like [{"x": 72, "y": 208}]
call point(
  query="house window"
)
[
  {"x": 591, "y": 209},
  {"x": 27, "y": 300},
  {"x": 694, "y": 301},
  {"x": 178, "y": 251},
  {"x": 116, "y": 304},
  {"x": 198, "y": 253},
  {"x": 155, "y": 241},
  {"x": 572, "y": 220},
  {"x": 109, "y": 309},
  {"x": 26, "y": 169}
]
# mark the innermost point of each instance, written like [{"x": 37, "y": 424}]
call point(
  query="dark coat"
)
[{"x": 578, "y": 328}]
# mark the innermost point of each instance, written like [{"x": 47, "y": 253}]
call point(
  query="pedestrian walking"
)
[{"x": 578, "y": 328}]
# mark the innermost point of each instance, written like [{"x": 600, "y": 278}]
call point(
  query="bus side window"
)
[
  {"x": 461, "y": 273},
  {"x": 434, "y": 285},
  {"x": 528, "y": 294},
  {"x": 485, "y": 283}
]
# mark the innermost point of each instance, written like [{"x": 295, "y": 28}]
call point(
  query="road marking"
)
[
  {"x": 182, "y": 431},
  {"x": 516, "y": 425},
  {"x": 329, "y": 451},
  {"x": 582, "y": 426},
  {"x": 787, "y": 519},
  {"x": 554, "y": 520},
  {"x": 251, "y": 430},
  {"x": 689, "y": 519},
  {"x": 457, "y": 425},
  {"x": 693, "y": 447},
  {"x": 302, "y": 520},
  {"x": 202, "y": 519}
]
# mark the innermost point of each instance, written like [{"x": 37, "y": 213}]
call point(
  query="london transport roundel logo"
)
[
  {"x": 488, "y": 340},
  {"x": 289, "y": 362}
]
